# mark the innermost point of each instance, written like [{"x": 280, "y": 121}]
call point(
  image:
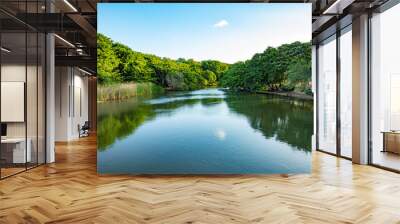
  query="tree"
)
[
  {"x": 233, "y": 78},
  {"x": 218, "y": 68},
  {"x": 210, "y": 77},
  {"x": 270, "y": 70},
  {"x": 107, "y": 61},
  {"x": 299, "y": 76}
]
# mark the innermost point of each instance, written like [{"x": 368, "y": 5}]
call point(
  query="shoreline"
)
[{"x": 296, "y": 95}]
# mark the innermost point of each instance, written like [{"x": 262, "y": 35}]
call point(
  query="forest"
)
[
  {"x": 117, "y": 63},
  {"x": 284, "y": 68}
]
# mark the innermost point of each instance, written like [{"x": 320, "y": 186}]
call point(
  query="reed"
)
[{"x": 123, "y": 91}]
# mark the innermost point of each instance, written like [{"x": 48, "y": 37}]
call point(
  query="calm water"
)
[{"x": 205, "y": 132}]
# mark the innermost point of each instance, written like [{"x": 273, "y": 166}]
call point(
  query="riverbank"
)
[
  {"x": 123, "y": 91},
  {"x": 296, "y": 95}
]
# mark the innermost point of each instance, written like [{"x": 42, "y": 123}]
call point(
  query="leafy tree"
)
[
  {"x": 299, "y": 76},
  {"x": 107, "y": 61},
  {"x": 218, "y": 68},
  {"x": 210, "y": 78},
  {"x": 234, "y": 76}
]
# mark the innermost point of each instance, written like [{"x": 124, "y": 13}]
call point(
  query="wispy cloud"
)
[{"x": 221, "y": 24}]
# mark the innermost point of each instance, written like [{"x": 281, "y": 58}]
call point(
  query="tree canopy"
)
[
  {"x": 118, "y": 63},
  {"x": 284, "y": 68}
]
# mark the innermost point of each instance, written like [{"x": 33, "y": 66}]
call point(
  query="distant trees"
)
[{"x": 285, "y": 68}]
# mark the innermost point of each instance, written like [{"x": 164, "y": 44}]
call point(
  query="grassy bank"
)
[{"x": 122, "y": 91}]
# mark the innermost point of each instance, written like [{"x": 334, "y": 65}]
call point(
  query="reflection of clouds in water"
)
[
  {"x": 196, "y": 95},
  {"x": 208, "y": 92},
  {"x": 173, "y": 99},
  {"x": 220, "y": 134}
]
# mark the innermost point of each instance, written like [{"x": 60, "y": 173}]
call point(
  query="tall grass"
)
[{"x": 122, "y": 91}]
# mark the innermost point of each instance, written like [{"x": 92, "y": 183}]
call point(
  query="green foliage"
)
[
  {"x": 216, "y": 67},
  {"x": 284, "y": 68},
  {"x": 210, "y": 78},
  {"x": 133, "y": 66},
  {"x": 299, "y": 76},
  {"x": 234, "y": 77},
  {"x": 107, "y": 61},
  {"x": 118, "y": 63}
]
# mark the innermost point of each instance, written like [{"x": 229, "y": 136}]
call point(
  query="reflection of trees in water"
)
[
  {"x": 285, "y": 119},
  {"x": 115, "y": 126},
  {"x": 288, "y": 120},
  {"x": 116, "y": 121}
]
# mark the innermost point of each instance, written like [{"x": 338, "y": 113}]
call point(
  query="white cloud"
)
[{"x": 221, "y": 23}]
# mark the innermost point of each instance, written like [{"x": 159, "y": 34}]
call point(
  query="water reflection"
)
[
  {"x": 205, "y": 131},
  {"x": 285, "y": 119}
]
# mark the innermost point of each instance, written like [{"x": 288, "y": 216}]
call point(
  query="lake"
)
[{"x": 210, "y": 131}]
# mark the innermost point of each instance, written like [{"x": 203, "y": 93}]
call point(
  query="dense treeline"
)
[
  {"x": 285, "y": 68},
  {"x": 118, "y": 63}
]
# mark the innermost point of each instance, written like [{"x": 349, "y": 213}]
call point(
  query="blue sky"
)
[{"x": 225, "y": 32}]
